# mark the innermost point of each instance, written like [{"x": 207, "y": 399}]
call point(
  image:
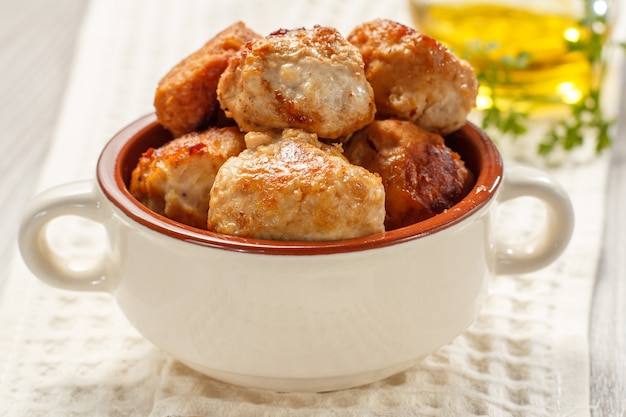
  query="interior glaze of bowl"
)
[{"x": 121, "y": 154}]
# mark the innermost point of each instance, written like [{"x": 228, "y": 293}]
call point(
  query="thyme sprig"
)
[
  {"x": 584, "y": 118},
  {"x": 587, "y": 115},
  {"x": 506, "y": 120}
]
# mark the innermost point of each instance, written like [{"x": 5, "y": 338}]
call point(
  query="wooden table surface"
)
[
  {"x": 37, "y": 40},
  {"x": 607, "y": 331}
]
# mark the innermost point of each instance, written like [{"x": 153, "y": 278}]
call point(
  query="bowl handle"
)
[
  {"x": 72, "y": 199},
  {"x": 551, "y": 241}
]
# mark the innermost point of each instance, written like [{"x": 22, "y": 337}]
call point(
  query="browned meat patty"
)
[
  {"x": 175, "y": 180},
  {"x": 293, "y": 187},
  {"x": 421, "y": 175},
  {"x": 414, "y": 77},
  {"x": 311, "y": 79},
  {"x": 186, "y": 98}
]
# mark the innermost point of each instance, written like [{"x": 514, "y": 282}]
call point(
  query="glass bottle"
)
[{"x": 530, "y": 55}]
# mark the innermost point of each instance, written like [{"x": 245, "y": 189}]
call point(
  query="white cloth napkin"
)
[{"x": 74, "y": 354}]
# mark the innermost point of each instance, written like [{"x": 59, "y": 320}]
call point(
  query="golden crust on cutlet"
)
[
  {"x": 421, "y": 175},
  {"x": 186, "y": 98},
  {"x": 295, "y": 188},
  {"x": 415, "y": 77},
  {"x": 175, "y": 179}
]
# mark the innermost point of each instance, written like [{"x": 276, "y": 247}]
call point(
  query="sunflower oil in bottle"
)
[{"x": 528, "y": 56}]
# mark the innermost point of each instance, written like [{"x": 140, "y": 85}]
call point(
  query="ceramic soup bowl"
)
[{"x": 295, "y": 316}]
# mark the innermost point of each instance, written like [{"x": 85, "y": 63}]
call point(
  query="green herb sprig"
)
[
  {"x": 584, "y": 118},
  {"x": 506, "y": 120}
]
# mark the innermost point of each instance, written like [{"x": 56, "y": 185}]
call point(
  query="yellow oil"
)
[{"x": 524, "y": 55}]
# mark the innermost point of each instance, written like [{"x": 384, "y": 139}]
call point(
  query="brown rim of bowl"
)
[{"x": 122, "y": 152}]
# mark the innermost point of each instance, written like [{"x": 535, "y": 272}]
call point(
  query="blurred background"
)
[
  {"x": 542, "y": 66},
  {"x": 36, "y": 47}
]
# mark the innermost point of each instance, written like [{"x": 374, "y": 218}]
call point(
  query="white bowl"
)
[{"x": 293, "y": 316}]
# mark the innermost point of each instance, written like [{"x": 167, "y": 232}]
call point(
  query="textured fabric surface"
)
[{"x": 74, "y": 354}]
